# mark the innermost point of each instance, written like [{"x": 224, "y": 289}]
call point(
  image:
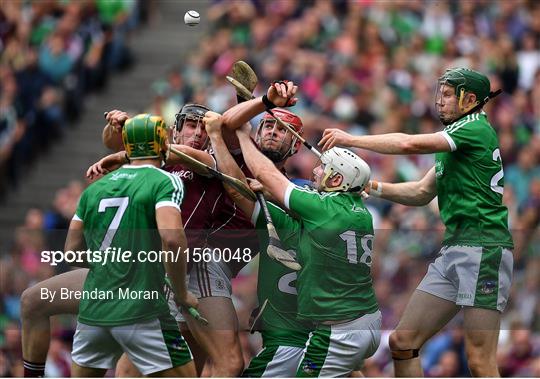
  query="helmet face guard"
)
[
  {"x": 353, "y": 169},
  {"x": 144, "y": 137},
  {"x": 464, "y": 81},
  {"x": 268, "y": 122},
  {"x": 194, "y": 112}
]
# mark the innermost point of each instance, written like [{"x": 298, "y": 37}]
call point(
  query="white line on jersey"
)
[
  {"x": 450, "y": 128},
  {"x": 194, "y": 209}
]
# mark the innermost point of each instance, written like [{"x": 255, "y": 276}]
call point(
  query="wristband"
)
[
  {"x": 267, "y": 103},
  {"x": 375, "y": 188}
]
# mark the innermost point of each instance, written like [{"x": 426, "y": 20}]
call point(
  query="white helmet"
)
[{"x": 354, "y": 170}]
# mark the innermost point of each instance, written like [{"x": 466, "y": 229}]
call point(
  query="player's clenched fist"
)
[
  {"x": 335, "y": 137},
  {"x": 255, "y": 185},
  {"x": 187, "y": 300},
  {"x": 281, "y": 93},
  {"x": 116, "y": 118},
  {"x": 212, "y": 122}
]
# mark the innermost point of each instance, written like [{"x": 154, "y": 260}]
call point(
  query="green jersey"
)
[
  {"x": 470, "y": 182},
  {"x": 333, "y": 236},
  {"x": 276, "y": 290},
  {"x": 119, "y": 215}
]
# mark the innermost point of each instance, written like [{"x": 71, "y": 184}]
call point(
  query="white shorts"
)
[
  {"x": 471, "y": 276},
  {"x": 337, "y": 350},
  {"x": 212, "y": 279},
  {"x": 275, "y": 361},
  {"x": 152, "y": 346}
]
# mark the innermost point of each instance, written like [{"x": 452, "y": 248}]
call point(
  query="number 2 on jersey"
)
[
  {"x": 352, "y": 250},
  {"x": 114, "y": 202},
  {"x": 499, "y": 175}
]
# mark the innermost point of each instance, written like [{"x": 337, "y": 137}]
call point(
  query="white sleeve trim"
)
[
  {"x": 255, "y": 214},
  {"x": 287, "y": 197},
  {"x": 213, "y": 160},
  {"x": 450, "y": 141},
  {"x": 76, "y": 218},
  {"x": 161, "y": 204}
]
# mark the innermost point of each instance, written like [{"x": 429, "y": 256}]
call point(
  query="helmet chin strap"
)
[
  {"x": 328, "y": 176},
  {"x": 474, "y": 107},
  {"x": 463, "y": 109},
  {"x": 164, "y": 157}
]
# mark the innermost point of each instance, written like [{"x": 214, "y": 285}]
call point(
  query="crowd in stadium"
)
[
  {"x": 53, "y": 54},
  {"x": 367, "y": 67}
]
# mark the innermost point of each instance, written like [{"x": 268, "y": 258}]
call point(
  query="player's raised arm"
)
[
  {"x": 409, "y": 193},
  {"x": 113, "y": 161},
  {"x": 112, "y": 132},
  {"x": 391, "y": 143},
  {"x": 107, "y": 164},
  {"x": 279, "y": 94},
  {"x": 225, "y": 162},
  {"x": 262, "y": 168},
  {"x": 200, "y": 155}
]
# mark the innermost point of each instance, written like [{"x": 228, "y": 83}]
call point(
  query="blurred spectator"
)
[
  {"x": 52, "y": 54},
  {"x": 445, "y": 354},
  {"x": 115, "y": 18},
  {"x": 528, "y": 58},
  {"x": 524, "y": 348},
  {"x": 11, "y": 129},
  {"x": 447, "y": 366},
  {"x": 519, "y": 176},
  {"x": 54, "y": 60}
]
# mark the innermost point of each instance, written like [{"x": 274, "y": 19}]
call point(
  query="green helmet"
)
[
  {"x": 467, "y": 80},
  {"x": 144, "y": 136}
]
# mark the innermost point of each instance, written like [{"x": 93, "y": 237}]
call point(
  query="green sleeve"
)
[
  {"x": 465, "y": 134},
  {"x": 308, "y": 204},
  {"x": 170, "y": 192},
  {"x": 287, "y": 227},
  {"x": 80, "y": 213}
]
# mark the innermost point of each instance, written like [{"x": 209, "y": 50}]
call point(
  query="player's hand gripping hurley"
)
[
  {"x": 275, "y": 249},
  {"x": 246, "y": 80},
  {"x": 240, "y": 186},
  {"x": 192, "y": 310},
  {"x": 242, "y": 91}
]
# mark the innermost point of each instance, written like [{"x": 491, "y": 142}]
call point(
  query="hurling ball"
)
[{"x": 192, "y": 18}]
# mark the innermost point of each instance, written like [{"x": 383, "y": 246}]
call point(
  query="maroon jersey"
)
[
  {"x": 211, "y": 218},
  {"x": 200, "y": 194},
  {"x": 231, "y": 228}
]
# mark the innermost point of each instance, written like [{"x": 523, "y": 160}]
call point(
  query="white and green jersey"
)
[
  {"x": 276, "y": 286},
  {"x": 332, "y": 234},
  {"x": 470, "y": 183},
  {"x": 119, "y": 214}
]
